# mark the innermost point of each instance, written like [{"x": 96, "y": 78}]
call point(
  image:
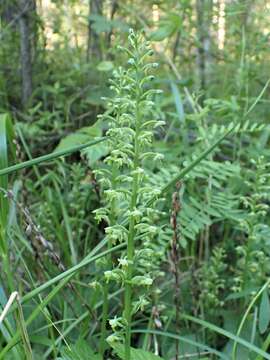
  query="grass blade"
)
[
  {"x": 183, "y": 339},
  {"x": 227, "y": 334},
  {"x": 253, "y": 301},
  {"x": 64, "y": 278},
  {"x": 178, "y": 102},
  {"x": 258, "y": 98},
  {"x": 21, "y": 322},
  {"x": 48, "y": 157},
  {"x": 23, "y": 329},
  {"x": 6, "y": 144},
  {"x": 6, "y": 150}
]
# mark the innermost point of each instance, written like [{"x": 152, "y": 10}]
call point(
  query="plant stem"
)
[
  {"x": 105, "y": 309},
  {"x": 175, "y": 259},
  {"x": 128, "y": 287},
  {"x": 131, "y": 235}
]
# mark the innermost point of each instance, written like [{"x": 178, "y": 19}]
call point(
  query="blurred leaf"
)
[
  {"x": 72, "y": 140},
  {"x": 95, "y": 96},
  {"x": 100, "y": 23},
  {"x": 136, "y": 354},
  {"x": 6, "y": 152},
  {"x": 241, "y": 294},
  {"x": 103, "y": 24},
  {"x": 162, "y": 33},
  {"x": 80, "y": 351},
  {"x": 82, "y": 136},
  {"x": 178, "y": 102},
  {"x": 95, "y": 153},
  {"x": 9, "y": 318},
  {"x": 105, "y": 66},
  {"x": 167, "y": 27},
  {"x": 264, "y": 313}
]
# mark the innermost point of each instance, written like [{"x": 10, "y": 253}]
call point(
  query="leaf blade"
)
[
  {"x": 136, "y": 354},
  {"x": 264, "y": 312}
]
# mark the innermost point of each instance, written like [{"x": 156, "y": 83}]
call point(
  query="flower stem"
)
[
  {"x": 105, "y": 309},
  {"x": 131, "y": 234}
]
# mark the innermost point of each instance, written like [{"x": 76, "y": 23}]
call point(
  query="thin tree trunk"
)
[
  {"x": 27, "y": 8},
  {"x": 93, "y": 46},
  {"x": 114, "y": 7},
  {"x": 7, "y": 11},
  {"x": 203, "y": 9}
]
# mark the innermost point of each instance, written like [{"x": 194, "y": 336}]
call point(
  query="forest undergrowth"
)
[{"x": 140, "y": 229}]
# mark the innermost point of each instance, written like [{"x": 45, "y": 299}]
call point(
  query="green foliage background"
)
[{"x": 213, "y": 61}]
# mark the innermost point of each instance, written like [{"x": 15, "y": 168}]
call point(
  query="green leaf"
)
[
  {"x": 9, "y": 318},
  {"x": 80, "y": 351},
  {"x": 71, "y": 140},
  {"x": 162, "y": 32},
  {"x": 227, "y": 334},
  {"x": 136, "y": 354},
  {"x": 41, "y": 340},
  {"x": 178, "y": 102},
  {"x": 185, "y": 340},
  {"x": 105, "y": 66},
  {"x": 82, "y": 136},
  {"x": 95, "y": 153},
  {"x": 244, "y": 318},
  {"x": 64, "y": 278},
  {"x": 264, "y": 313},
  {"x": 6, "y": 149},
  {"x": 100, "y": 23},
  {"x": 241, "y": 294},
  {"x": 167, "y": 27}
]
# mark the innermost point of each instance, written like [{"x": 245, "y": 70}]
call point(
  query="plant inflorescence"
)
[{"x": 126, "y": 184}]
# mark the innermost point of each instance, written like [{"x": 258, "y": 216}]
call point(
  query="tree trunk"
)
[
  {"x": 7, "y": 11},
  {"x": 93, "y": 46},
  {"x": 114, "y": 7},
  {"x": 27, "y": 9},
  {"x": 203, "y": 9}
]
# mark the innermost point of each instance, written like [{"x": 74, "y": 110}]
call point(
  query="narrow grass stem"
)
[{"x": 48, "y": 157}]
